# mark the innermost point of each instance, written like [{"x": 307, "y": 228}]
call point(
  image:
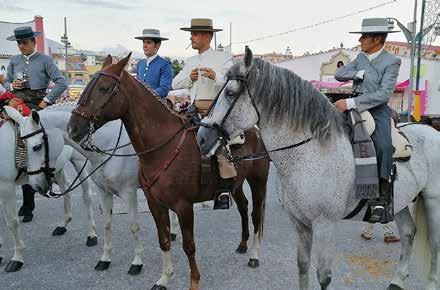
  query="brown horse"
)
[{"x": 170, "y": 161}]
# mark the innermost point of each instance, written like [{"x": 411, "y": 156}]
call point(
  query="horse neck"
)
[
  {"x": 146, "y": 118},
  {"x": 55, "y": 119}
]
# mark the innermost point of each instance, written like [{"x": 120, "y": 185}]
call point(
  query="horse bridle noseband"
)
[{"x": 46, "y": 169}]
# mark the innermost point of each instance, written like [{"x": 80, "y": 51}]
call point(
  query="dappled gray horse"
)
[{"x": 317, "y": 167}]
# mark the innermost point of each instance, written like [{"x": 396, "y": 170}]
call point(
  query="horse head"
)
[
  {"x": 234, "y": 111},
  {"x": 44, "y": 149},
  {"x": 102, "y": 100}
]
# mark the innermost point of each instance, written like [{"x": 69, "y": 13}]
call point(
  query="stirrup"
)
[{"x": 222, "y": 201}]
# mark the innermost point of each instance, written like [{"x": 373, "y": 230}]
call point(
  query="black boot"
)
[
  {"x": 382, "y": 209},
  {"x": 28, "y": 203}
]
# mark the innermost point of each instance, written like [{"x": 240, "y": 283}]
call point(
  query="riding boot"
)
[
  {"x": 382, "y": 209},
  {"x": 28, "y": 203},
  {"x": 224, "y": 188}
]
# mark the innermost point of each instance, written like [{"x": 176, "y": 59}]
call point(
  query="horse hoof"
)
[
  {"x": 173, "y": 237},
  {"x": 102, "y": 265},
  {"x": 13, "y": 266},
  {"x": 92, "y": 241},
  {"x": 158, "y": 287},
  {"x": 59, "y": 231},
  {"x": 394, "y": 287},
  {"x": 241, "y": 249},
  {"x": 135, "y": 270},
  {"x": 253, "y": 263}
]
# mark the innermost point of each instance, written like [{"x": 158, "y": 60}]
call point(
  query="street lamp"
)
[{"x": 411, "y": 39}]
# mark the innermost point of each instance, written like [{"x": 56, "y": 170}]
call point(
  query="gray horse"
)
[{"x": 317, "y": 176}]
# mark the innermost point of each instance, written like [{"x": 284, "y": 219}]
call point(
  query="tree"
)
[{"x": 177, "y": 66}]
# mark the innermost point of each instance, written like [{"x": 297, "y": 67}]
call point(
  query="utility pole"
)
[
  {"x": 230, "y": 37},
  {"x": 419, "y": 53},
  {"x": 413, "y": 54},
  {"x": 65, "y": 40}
]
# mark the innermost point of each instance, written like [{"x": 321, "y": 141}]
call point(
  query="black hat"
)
[{"x": 24, "y": 32}]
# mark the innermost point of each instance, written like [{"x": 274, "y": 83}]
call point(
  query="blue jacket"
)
[
  {"x": 41, "y": 70},
  {"x": 158, "y": 75}
]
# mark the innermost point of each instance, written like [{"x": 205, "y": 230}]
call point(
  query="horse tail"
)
[{"x": 422, "y": 249}]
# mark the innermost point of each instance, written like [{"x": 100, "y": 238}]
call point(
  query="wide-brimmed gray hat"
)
[
  {"x": 375, "y": 25},
  {"x": 151, "y": 34},
  {"x": 201, "y": 24},
  {"x": 23, "y": 32}
]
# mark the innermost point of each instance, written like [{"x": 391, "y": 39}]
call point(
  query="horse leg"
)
[
  {"x": 162, "y": 221},
  {"x": 78, "y": 162},
  {"x": 407, "y": 231},
  {"x": 62, "y": 228},
  {"x": 258, "y": 188},
  {"x": 304, "y": 250},
  {"x": 325, "y": 243},
  {"x": 174, "y": 222},
  {"x": 107, "y": 206},
  {"x": 186, "y": 219},
  {"x": 136, "y": 264},
  {"x": 242, "y": 205},
  {"x": 11, "y": 214},
  {"x": 433, "y": 217}
]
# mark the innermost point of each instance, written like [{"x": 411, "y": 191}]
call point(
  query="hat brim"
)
[
  {"x": 195, "y": 29},
  {"x": 13, "y": 38},
  {"x": 150, "y": 37},
  {"x": 372, "y": 32}
]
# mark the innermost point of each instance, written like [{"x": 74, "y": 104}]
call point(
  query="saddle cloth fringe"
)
[
  {"x": 367, "y": 179},
  {"x": 20, "y": 150}
]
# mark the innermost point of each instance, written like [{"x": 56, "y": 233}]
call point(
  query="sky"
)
[{"x": 97, "y": 24}]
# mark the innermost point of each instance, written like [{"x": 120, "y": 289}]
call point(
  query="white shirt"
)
[
  {"x": 350, "y": 102},
  {"x": 150, "y": 59},
  {"x": 204, "y": 88}
]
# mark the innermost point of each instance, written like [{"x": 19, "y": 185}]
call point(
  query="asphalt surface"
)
[{"x": 66, "y": 263}]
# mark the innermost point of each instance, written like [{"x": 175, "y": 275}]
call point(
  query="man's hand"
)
[
  {"x": 341, "y": 105},
  {"x": 17, "y": 85},
  {"x": 194, "y": 75},
  {"x": 208, "y": 72},
  {"x": 42, "y": 104}
]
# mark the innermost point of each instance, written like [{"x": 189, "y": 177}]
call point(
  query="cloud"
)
[
  {"x": 103, "y": 4},
  {"x": 13, "y": 8}
]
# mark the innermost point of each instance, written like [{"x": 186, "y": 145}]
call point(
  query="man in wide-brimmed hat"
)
[
  {"x": 374, "y": 73},
  {"x": 28, "y": 75},
  {"x": 154, "y": 70},
  {"x": 203, "y": 75}
]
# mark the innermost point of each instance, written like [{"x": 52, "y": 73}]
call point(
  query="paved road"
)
[{"x": 66, "y": 263}]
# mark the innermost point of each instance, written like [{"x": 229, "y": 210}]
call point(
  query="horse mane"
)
[
  {"x": 62, "y": 106},
  {"x": 158, "y": 98},
  {"x": 284, "y": 97}
]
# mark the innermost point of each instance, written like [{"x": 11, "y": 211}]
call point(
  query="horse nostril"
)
[{"x": 202, "y": 141}]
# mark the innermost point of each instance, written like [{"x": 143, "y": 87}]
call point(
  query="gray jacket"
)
[
  {"x": 40, "y": 70},
  {"x": 379, "y": 78}
]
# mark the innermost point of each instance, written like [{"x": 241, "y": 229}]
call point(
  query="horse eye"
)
[
  {"x": 103, "y": 90},
  {"x": 37, "y": 147}
]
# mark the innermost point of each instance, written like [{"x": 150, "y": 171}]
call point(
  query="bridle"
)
[
  {"x": 244, "y": 81},
  {"x": 92, "y": 118},
  {"x": 46, "y": 169}
]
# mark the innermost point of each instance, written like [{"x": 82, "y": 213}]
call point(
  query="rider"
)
[
  {"x": 374, "y": 73},
  {"x": 28, "y": 76},
  {"x": 203, "y": 75},
  {"x": 154, "y": 70}
]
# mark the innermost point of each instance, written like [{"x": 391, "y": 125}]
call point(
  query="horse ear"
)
[
  {"x": 123, "y": 62},
  {"x": 35, "y": 117},
  {"x": 14, "y": 114},
  {"x": 248, "y": 58},
  {"x": 107, "y": 61}
]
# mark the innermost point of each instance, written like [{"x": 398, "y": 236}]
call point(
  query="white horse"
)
[
  {"x": 118, "y": 176},
  {"x": 8, "y": 182},
  {"x": 318, "y": 176}
]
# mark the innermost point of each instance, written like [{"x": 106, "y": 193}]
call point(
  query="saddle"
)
[{"x": 403, "y": 148}]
